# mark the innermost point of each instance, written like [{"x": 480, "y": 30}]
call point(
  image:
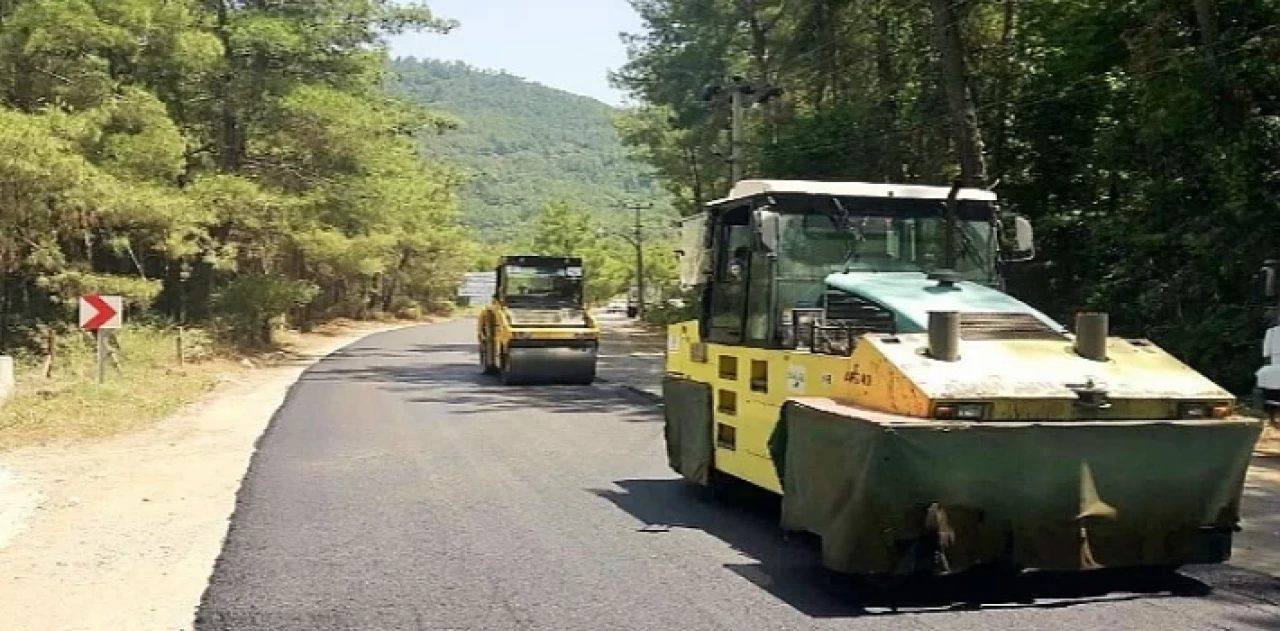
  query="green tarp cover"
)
[
  {"x": 688, "y": 427},
  {"x": 894, "y": 497}
]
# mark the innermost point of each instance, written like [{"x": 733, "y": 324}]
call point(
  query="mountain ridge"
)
[
  {"x": 524, "y": 144},
  {"x": 505, "y": 74}
]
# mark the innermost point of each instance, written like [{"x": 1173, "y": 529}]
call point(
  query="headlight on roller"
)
[
  {"x": 961, "y": 411},
  {"x": 1203, "y": 409}
]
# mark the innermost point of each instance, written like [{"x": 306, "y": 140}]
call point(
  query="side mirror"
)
[
  {"x": 1270, "y": 272},
  {"x": 1024, "y": 242},
  {"x": 768, "y": 225}
]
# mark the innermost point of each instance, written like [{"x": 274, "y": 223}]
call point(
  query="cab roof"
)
[
  {"x": 751, "y": 188},
  {"x": 537, "y": 259}
]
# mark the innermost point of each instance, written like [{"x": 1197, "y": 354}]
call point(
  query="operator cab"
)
[
  {"x": 540, "y": 282},
  {"x": 782, "y": 256}
]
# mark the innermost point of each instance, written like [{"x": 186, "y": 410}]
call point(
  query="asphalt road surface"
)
[{"x": 398, "y": 488}]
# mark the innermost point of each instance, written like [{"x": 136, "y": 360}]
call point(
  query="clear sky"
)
[{"x": 565, "y": 44}]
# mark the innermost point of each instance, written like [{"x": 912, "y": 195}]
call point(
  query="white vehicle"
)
[
  {"x": 1267, "y": 392},
  {"x": 617, "y": 305}
]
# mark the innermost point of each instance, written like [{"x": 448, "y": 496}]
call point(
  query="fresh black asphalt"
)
[{"x": 398, "y": 488}]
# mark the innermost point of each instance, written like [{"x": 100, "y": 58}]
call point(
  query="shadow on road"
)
[
  {"x": 450, "y": 374},
  {"x": 790, "y": 567}
]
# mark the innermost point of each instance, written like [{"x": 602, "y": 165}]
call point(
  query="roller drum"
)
[{"x": 550, "y": 365}]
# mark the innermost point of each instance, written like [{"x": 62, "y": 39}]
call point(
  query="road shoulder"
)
[{"x": 124, "y": 533}]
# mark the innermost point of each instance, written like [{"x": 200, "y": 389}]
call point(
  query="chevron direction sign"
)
[{"x": 101, "y": 312}]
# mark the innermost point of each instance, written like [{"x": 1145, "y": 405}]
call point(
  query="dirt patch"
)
[
  {"x": 1269, "y": 445},
  {"x": 123, "y": 533}
]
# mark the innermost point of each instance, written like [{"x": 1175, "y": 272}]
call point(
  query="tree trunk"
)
[
  {"x": 1207, "y": 17},
  {"x": 887, "y": 87},
  {"x": 964, "y": 115},
  {"x": 695, "y": 172},
  {"x": 230, "y": 135},
  {"x": 1008, "y": 52}
]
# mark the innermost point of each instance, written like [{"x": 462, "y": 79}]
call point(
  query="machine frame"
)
[
  {"x": 539, "y": 341},
  {"x": 932, "y": 366}
]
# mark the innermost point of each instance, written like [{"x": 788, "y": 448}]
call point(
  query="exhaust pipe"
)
[
  {"x": 944, "y": 335},
  {"x": 1091, "y": 336}
]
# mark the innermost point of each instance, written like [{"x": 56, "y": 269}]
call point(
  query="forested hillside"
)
[
  {"x": 1142, "y": 138},
  {"x": 523, "y": 145},
  {"x": 215, "y": 161}
]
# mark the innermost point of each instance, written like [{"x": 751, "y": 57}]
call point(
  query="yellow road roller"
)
[
  {"x": 856, "y": 353},
  {"x": 538, "y": 329}
]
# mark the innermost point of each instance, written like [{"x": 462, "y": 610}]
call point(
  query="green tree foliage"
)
[
  {"x": 562, "y": 229},
  {"x": 217, "y": 159},
  {"x": 524, "y": 145},
  {"x": 1143, "y": 138}
]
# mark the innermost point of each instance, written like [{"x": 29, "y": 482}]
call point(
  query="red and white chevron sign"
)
[{"x": 101, "y": 312}]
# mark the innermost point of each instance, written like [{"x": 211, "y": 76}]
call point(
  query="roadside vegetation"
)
[
  {"x": 64, "y": 401},
  {"x": 234, "y": 168},
  {"x": 241, "y": 170}
]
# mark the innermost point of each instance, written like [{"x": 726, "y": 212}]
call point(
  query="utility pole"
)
[
  {"x": 639, "y": 264},
  {"x": 637, "y": 240},
  {"x": 735, "y": 135},
  {"x": 738, "y": 90}
]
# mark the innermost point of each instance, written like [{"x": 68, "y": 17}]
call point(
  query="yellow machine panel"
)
[{"x": 750, "y": 385}]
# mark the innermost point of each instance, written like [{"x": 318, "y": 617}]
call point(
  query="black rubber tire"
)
[
  {"x": 504, "y": 372},
  {"x": 488, "y": 367}
]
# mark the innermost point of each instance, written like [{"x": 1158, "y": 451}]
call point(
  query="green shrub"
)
[{"x": 251, "y": 305}]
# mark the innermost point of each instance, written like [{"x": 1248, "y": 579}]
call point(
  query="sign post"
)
[{"x": 99, "y": 313}]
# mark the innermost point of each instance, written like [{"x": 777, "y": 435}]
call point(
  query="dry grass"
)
[{"x": 149, "y": 385}]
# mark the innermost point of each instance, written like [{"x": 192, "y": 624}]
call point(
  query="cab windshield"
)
[
  {"x": 885, "y": 236},
  {"x": 813, "y": 246},
  {"x": 543, "y": 285}
]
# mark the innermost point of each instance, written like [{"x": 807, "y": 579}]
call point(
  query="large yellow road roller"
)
[
  {"x": 538, "y": 329},
  {"x": 856, "y": 353}
]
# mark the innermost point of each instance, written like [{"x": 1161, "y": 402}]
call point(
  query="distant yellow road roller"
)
[{"x": 538, "y": 329}]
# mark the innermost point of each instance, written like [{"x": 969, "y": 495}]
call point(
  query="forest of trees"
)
[
  {"x": 1141, "y": 137},
  {"x": 544, "y": 172},
  {"x": 523, "y": 145},
  {"x": 214, "y": 160}
]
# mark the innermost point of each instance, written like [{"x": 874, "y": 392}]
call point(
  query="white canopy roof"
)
[{"x": 748, "y": 188}]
